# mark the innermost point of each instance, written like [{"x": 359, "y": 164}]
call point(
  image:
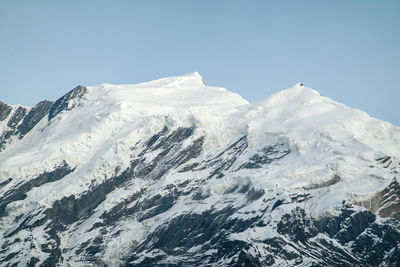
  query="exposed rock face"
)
[
  {"x": 386, "y": 203},
  {"x": 19, "y": 192},
  {"x": 16, "y": 117},
  {"x": 4, "y": 110},
  {"x": 20, "y": 120},
  {"x": 33, "y": 117},
  {"x": 184, "y": 187},
  {"x": 350, "y": 237},
  {"x": 68, "y": 101}
]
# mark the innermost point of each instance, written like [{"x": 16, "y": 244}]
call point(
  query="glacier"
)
[{"x": 175, "y": 172}]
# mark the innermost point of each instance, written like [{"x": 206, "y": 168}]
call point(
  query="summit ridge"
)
[{"x": 174, "y": 171}]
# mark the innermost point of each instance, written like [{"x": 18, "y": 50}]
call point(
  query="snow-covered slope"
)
[{"x": 174, "y": 171}]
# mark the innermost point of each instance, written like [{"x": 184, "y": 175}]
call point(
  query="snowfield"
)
[{"x": 174, "y": 171}]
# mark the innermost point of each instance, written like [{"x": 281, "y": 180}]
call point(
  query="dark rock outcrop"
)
[
  {"x": 21, "y": 120},
  {"x": 68, "y": 101},
  {"x": 12, "y": 125},
  {"x": 33, "y": 117},
  {"x": 4, "y": 110},
  {"x": 386, "y": 202}
]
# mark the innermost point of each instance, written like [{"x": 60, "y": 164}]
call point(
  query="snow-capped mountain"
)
[{"x": 174, "y": 172}]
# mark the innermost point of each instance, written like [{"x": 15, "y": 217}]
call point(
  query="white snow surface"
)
[{"x": 326, "y": 138}]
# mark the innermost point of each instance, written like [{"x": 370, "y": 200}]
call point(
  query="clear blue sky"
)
[{"x": 347, "y": 50}]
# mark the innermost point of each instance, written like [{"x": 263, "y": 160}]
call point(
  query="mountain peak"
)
[
  {"x": 114, "y": 171},
  {"x": 193, "y": 75},
  {"x": 300, "y": 90},
  {"x": 186, "y": 91},
  {"x": 298, "y": 95},
  {"x": 185, "y": 80}
]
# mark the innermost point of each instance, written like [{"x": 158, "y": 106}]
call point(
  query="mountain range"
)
[{"x": 175, "y": 172}]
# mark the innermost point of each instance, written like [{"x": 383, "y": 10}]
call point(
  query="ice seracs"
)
[
  {"x": 110, "y": 172},
  {"x": 111, "y": 114}
]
